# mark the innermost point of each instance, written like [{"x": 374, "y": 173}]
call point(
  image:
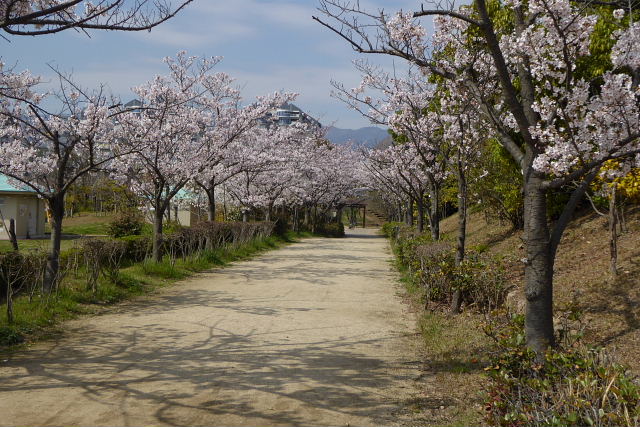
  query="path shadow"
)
[
  {"x": 195, "y": 382},
  {"x": 193, "y": 372}
]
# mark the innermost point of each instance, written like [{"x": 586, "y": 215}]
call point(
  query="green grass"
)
[
  {"x": 39, "y": 317},
  {"x": 36, "y": 245},
  {"x": 98, "y": 228}
]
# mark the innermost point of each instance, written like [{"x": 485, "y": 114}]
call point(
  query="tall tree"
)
[
  {"x": 49, "y": 152},
  {"x": 165, "y": 137}
]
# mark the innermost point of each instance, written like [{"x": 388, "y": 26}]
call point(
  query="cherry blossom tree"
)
[
  {"x": 408, "y": 106},
  {"x": 558, "y": 125},
  {"x": 165, "y": 136},
  {"x": 398, "y": 169},
  {"x": 47, "y": 151},
  {"x": 37, "y": 17},
  {"x": 231, "y": 120}
]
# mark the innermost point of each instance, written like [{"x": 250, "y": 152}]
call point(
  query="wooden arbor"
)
[{"x": 353, "y": 208}]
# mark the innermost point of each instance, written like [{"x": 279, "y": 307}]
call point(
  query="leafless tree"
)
[{"x": 37, "y": 17}]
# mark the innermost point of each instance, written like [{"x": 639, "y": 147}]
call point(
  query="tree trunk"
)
[
  {"x": 314, "y": 218},
  {"x": 12, "y": 234},
  {"x": 613, "y": 230},
  {"x": 157, "y": 234},
  {"x": 267, "y": 215},
  {"x": 211, "y": 196},
  {"x": 456, "y": 301},
  {"x": 245, "y": 215},
  {"x": 538, "y": 272},
  {"x": 56, "y": 205},
  {"x": 434, "y": 217}
]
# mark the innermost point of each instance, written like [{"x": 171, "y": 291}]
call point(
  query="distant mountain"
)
[{"x": 368, "y": 136}]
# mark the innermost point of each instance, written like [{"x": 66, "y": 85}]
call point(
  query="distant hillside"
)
[{"x": 367, "y": 136}]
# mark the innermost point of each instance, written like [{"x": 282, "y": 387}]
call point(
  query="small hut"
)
[{"x": 23, "y": 206}]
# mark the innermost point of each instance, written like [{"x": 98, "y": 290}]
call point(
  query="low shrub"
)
[
  {"x": 102, "y": 257},
  {"x": 10, "y": 336},
  {"x": 126, "y": 223},
  {"x": 22, "y": 272},
  {"x": 431, "y": 265},
  {"x": 573, "y": 386},
  {"x": 136, "y": 248},
  {"x": 390, "y": 229}
]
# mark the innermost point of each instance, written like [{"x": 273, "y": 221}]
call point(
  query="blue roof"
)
[{"x": 6, "y": 187}]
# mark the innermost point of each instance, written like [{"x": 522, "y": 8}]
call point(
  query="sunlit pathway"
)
[{"x": 311, "y": 334}]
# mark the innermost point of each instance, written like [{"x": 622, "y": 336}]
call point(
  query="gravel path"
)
[{"x": 310, "y": 334}]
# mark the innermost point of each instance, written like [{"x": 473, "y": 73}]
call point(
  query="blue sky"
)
[{"x": 267, "y": 45}]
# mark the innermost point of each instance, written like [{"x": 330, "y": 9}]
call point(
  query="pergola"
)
[{"x": 353, "y": 206}]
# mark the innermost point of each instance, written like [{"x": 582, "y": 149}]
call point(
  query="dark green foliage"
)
[
  {"x": 390, "y": 229},
  {"x": 573, "y": 386},
  {"x": 10, "y": 336},
  {"x": 331, "y": 229},
  {"x": 127, "y": 223},
  {"x": 499, "y": 187},
  {"x": 137, "y": 248},
  {"x": 281, "y": 227}
]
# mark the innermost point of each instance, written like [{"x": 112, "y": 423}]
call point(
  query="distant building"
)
[
  {"x": 134, "y": 105},
  {"x": 25, "y": 207},
  {"x": 288, "y": 114}
]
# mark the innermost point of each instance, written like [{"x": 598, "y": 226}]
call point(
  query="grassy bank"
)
[
  {"x": 478, "y": 366},
  {"x": 38, "y": 316},
  {"x": 455, "y": 355}
]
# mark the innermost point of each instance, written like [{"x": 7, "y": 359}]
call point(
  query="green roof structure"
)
[{"x": 5, "y": 187}]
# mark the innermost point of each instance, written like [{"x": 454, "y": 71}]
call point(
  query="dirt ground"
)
[{"x": 311, "y": 334}]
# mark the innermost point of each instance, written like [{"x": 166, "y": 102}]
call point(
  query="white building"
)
[
  {"x": 24, "y": 207},
  {"x": 288, "y": 114}
]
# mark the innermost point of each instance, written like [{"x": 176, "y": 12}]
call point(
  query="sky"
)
[{"x": 267, "y": 45}]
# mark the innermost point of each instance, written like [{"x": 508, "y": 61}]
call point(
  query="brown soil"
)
[{"x": 611, "y": 307}]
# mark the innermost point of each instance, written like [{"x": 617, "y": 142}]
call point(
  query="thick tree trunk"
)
[
  {"x": 245, "y": 215},
  {"x": 538, "y": 273},
  {"x": 56, "y": 205},
  {"x": 613, "y": 230},
  {"x": 456, "y": 301},
  {"x": 211, "y": 196},
  {"x": 157, "y": 234}
]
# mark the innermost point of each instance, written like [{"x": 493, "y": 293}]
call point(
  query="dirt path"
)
[{"x": 311, "y": 334}]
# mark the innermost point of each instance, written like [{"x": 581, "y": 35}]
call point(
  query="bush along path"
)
[
  {"x": 484, "y": 351},
  {"x": 99, "y": 272},
  {"x": 309, "y": 334}
]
